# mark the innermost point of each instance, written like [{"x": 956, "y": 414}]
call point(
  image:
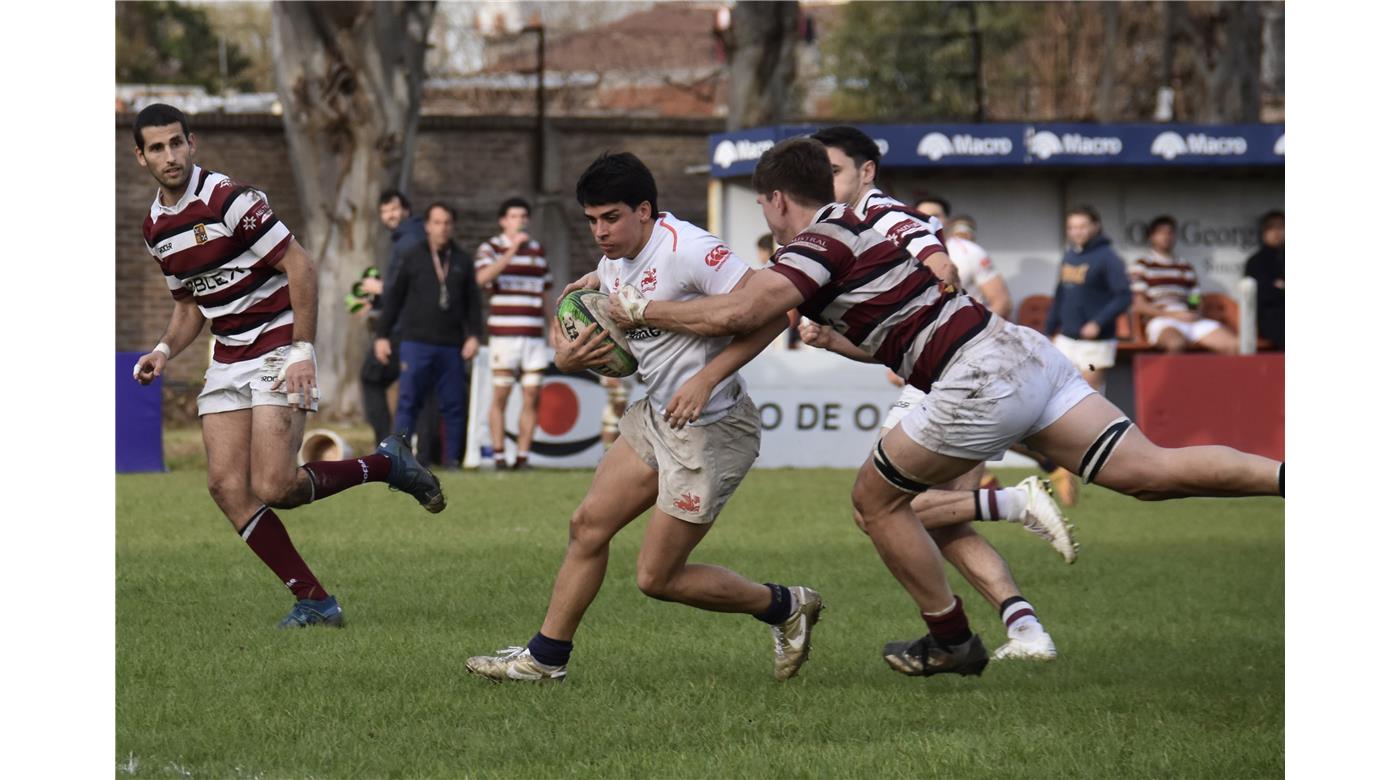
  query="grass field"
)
[{"x": 1170, "y": 629}]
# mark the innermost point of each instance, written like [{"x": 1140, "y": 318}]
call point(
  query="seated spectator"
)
[
  {"x": 1166, "y": 291},
  {"x": 1266, "y": 267},
  {"x": 1092, "y": 292}
]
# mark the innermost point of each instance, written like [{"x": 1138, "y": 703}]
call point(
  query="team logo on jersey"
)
[
  {"x": 648, "y": 281},
  {"x": 717, "y": 256},
  {"x": 617, "y": 283},
  {"x": 200, "y": 234},
  {"x": 688, "y": 502},
  {"x": 900, "y": 232}
]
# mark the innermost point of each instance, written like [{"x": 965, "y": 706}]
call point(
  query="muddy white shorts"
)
[
  {"x": 909, "y": 398},
  {"x": 232, "y": 386},
  {"x": 520, "y": 354},
  {"x": 1003, "y": 386},
  {"x": 1193, "y": 332},
  {"x": 1087, "y": 355},
  {"x": 698, "y": 467}
]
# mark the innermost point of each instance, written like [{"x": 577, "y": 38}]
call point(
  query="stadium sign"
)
[
  {"x": 935, "y": 146},
  {"x": 1170, "y": 145},
  {"x": 1045, "y": 144}
]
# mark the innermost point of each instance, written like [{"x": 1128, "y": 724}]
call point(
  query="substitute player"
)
[
  {"x": 990, "y": 383},
  {"x": 1165, "y": 290},
  {"x": 513, "y": 270},
  {"x": 683, "y": 458},
  {"x": 947, "y": 510},
  {"x": 229, "y": 260}
]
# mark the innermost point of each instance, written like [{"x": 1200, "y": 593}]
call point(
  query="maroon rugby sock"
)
[
  {"x": 949, "y": 628},
  {"x": 268, "y": 538},
  {"x": 329, "y": 477}
]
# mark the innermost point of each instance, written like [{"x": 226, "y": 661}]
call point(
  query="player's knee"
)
[
  {"x": 654, "y": 584},
  {"x": 860, "y": 522},
  {"x": 227, "y": 492},
  {"x": 277, "y": 491},
  {"x": 585, "y": 527}
]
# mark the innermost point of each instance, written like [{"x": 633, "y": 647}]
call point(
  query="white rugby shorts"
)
[
  {"x": 1193, "y": 332},
  {"x": 229, "y": 387},
  {"x": 520, "y": 353},
  {"x": 909, "y": 398},
  {"x": 1087, "y": 355},
  {"x": 1007, "y": 384}
]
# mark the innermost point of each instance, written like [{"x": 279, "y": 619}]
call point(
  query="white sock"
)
[
  {"x": 1020, "y": 619},
  {"x": 1003, "y": 504}
]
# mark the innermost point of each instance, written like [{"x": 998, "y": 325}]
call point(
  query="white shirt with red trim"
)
[
  {"x": 220, "y": 245},
  {"x": 679, "y": 262},
  {"x": 974, "y": 266}
]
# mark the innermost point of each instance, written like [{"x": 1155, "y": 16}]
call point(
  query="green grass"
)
[{"x": 1170, "y": 629}]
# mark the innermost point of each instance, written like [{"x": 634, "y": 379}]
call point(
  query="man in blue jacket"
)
[
  {"x": 406, "y": 232},
  {"x": 1093, "y": 290}
]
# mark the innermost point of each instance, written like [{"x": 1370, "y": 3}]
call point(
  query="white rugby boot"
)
[
  {"x": 1044, "y": 519},
  {"x": 792, "y": 639},
  {"x": 1035, "y": 647},
  {"x": 514, "y": 663}
]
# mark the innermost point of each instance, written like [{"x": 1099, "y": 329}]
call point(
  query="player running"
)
[
  {"x": 684, "y": 459},
  {"x": 228, "y": 259},
  {"x": 947, "y": 510},
  {"x": 990, "y": 383}
]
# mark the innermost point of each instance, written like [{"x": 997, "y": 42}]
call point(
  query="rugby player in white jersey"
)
[
  {"x": 227, "y": 259},
  {"x": 684, "y": 448},
  {"x": 947, "y": 511},
  {"x": 990, "y": 383}
]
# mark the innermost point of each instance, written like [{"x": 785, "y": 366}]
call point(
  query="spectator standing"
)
[
  {"x": 1266, "y": 268},
  {"x": 1166, "y": 290},
  {"x": 1092, "y": 292},
  {"x": 406, "y": 231},
  {"x": 512, "y": 269},
  {"x": 436, "y": 295}
]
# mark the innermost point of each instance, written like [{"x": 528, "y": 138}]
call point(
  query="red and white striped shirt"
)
[
  {"x": 220, "y": 244},
  {"x": 516, "y": 297},
  {"x": 1166, "y": 281},
  {"x": 873, "y": 292},
  {"x": 915, "y": 232}
]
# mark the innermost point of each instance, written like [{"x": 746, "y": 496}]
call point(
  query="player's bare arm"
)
[
  {"x": 767, "y": 295},
  {"x": 488, "y": 273},
  {"x": 998, "y": 296},
  {"x": 825, "y": 337},
  {"x": 942, "y": 266},
  {"x": 300, "y": 377},
  {"x": 186, "y": 321}
]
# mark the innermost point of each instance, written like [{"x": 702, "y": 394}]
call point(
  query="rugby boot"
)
[
  {"x": 308, "y": 612},
  {"x": 410, "y": 476},
  {"x": 514, "y": 663},
  {"x": 1037, "y": 647},
  {"x": 1044, "y": 519},
  {"x": 792, "y": 639},
  {"x": 924, "y": 657}
]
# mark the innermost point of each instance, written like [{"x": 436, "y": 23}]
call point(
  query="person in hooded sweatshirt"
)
[
  {"x": 1266, "y": 266},
  {"x": 1093, "y": 290}
]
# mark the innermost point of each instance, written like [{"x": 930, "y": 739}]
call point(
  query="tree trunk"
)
[
  {"x": 1105, "y": 109},
  {"x": 761, "y": 46},
  {"x": 349, "y": 76}
]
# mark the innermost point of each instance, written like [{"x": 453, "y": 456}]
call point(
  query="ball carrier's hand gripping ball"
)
[{"x": 582, "y": 307}]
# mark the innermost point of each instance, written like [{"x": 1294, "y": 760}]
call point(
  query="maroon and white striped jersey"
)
[
  {"x": 1166, "y": 281},
  {"x": 873, "y": 292},
  {"x": 916, "y": 233},
  {"x": 220, "y": 244},
  {"x": 516, "y": 305}
]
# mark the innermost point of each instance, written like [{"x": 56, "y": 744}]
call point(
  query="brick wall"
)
[{"x": 471, "y": 162}]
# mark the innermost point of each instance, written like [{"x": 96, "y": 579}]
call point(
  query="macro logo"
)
[
  {"x": 1046, "y": 144},
  {"x": 883, "y": 146},
  {"x": 1278, "y": 146},
  {"x": 729, "y": 152},
  {"x": 936, "y": 146},
  {"x": 1170, "y": 145}
]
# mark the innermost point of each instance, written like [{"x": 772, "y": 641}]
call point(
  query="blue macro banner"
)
[{"x": 1029, "y": 145}]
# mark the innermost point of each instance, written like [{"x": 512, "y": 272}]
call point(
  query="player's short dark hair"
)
[
  {"x": 1166, "y": 220},
  {"x": 158, "y": 115},
  {"x": 617, "y": 178},
  {"x": 765, "y": 242},
  {"x": 1085, "y": 210},
  {"x": 941, "y": 201},
  {"x": 390, "y": 195},
  {"x": 513, "y": 203},
  {"x": 799, "y": 168},
  {"x": 1274, "y": 215},
  {"x": 856, "y": 144},
  {"x": 437, "y": 204}
]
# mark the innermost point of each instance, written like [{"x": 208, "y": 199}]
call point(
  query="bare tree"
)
[
  {"x": 761, "y": 46},
  {"x": 1226, "y": 47},
  {"x": 349, "y": 75}
]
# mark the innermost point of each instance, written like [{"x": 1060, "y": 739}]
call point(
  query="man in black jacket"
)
[
  {"x": 1266, "y": 266},
  {"x": 436, "y": 295}
]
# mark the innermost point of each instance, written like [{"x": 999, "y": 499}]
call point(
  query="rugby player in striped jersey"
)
[
  {"x": 990, "y": 383},
  {"x": 228, "y": 259}
]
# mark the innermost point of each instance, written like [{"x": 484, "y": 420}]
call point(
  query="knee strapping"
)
[{"x": 532, "y": 379}]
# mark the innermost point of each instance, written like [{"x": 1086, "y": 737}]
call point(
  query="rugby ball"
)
[{"x": 582, "y": 307}]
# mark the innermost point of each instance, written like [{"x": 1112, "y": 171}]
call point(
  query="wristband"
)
[
  {"x": 163, "y": 349},
  {"x": 633, "y": 304},
  {"x": 300, "y": 351}
]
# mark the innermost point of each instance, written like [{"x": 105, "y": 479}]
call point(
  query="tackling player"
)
[
  {"x": 229, "y": 260},
  {"x": 683, "y": 459},
  {"x": 990, "y": 383}
]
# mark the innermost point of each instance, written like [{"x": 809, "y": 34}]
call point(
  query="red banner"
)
[{"x": 1193, "y": 399}]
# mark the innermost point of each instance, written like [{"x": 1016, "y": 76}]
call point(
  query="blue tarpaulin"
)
[{"x": 138, "y": 420}]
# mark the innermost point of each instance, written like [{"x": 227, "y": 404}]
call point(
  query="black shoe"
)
[
  {"x": 408, "y": 475},
  {"x": 924, "y": 657},
  {"x": 522, "y": 465}
]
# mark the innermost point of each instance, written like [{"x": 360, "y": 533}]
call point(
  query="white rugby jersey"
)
[
  {"x": 516, "y": 297},
  {"x": 974, "y": 266},
  {"x": 678, "y": 263},
  {"x": 220, "y": 244}
]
